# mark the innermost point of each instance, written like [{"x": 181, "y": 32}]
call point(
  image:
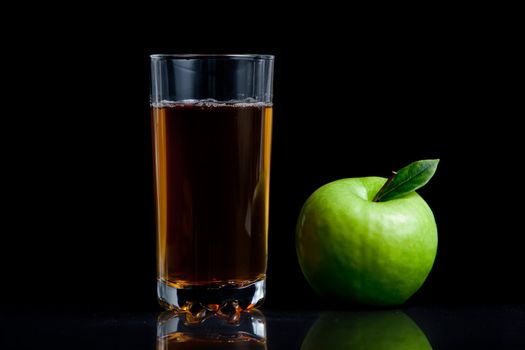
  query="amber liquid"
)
[
  {"x": 212, "y": 165},
  {"x": 184, "y": 342}
]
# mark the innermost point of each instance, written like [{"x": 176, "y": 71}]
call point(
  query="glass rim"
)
[{"x": 190, "y": 56}]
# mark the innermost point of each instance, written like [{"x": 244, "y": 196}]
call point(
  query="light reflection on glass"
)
[{"x": 213, "y": 331}]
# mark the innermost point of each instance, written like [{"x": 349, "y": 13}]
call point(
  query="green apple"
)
[
  {"x": 380, "y": 330},
  {"x": 352, "y": 247}
]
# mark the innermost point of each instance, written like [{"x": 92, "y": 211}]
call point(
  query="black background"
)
[{"x": 351, "y": 99}]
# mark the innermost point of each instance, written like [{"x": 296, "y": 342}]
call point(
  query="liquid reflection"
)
[
  {"x": 246, "y": 330},
  {"x": 378, "y": 330}
]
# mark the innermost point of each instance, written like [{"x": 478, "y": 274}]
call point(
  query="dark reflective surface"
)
[{"x": 501, "y": 327}]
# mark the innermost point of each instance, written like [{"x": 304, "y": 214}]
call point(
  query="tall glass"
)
[{"x": 212, "y": 126}]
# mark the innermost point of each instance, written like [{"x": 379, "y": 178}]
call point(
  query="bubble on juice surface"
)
[{"x": 210, "y": 102}]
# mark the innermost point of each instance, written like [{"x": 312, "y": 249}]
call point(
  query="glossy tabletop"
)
[{"x": 452, "y": 327}]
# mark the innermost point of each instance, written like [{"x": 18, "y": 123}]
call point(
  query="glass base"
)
[{"x": 225, "y": 299}]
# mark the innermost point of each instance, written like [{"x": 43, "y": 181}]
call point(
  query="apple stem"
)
[{"x": 378, "y": 194}]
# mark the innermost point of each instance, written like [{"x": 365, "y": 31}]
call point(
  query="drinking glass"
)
[{"x": 212, "y": 128}]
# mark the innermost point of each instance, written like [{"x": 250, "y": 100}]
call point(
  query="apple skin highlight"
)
[{"x": 352, "y": 249}]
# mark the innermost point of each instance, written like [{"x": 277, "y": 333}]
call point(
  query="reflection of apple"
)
[
  {"x": 379, "y": 330},
  {"x": 353, "y": 249}
]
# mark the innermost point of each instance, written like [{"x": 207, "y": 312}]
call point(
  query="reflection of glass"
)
[
  {"x": 380, "y": 330},
  {"x": 216, "y": 331}
]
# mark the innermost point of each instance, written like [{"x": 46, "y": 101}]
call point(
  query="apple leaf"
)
[{"x": 406, "y": 180}]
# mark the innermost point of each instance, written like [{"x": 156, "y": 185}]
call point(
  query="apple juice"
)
[{"x": 212, "y": 166}]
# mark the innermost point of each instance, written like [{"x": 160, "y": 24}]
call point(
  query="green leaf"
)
[{"x": 408, "y": 179}]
